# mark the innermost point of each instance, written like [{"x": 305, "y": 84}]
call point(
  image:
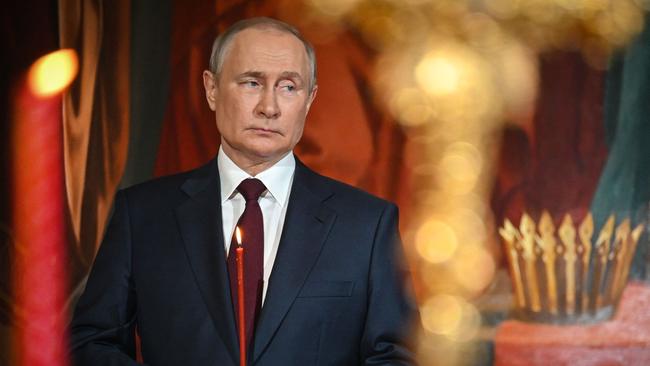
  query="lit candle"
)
[
  {"x": 39, "y": 272},
  {"x": 240, "y": 298}
]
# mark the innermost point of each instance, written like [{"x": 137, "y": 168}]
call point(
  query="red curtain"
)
[{"x": 555, "y": 163}]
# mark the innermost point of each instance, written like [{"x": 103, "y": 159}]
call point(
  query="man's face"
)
[{"x": 261, "y": 97}]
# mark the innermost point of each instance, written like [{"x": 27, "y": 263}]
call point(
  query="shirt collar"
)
[{"x": 277, "y": 178}]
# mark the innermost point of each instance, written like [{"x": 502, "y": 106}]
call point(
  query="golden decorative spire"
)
[
  {"x": 559, "y": 281},
  {"x": 512, "y": 238},
  {"x": 586, "y": 232},
  {"x": 547, "y": 242},
  {"x": 568, "y": 236},
  {"x": 527, "y": 228},
  {"x": 600, "y": 264}
]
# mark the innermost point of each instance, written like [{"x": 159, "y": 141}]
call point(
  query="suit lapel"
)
[
  {"x": 306, "y": 226},
  {"x": 199, "y": 219}
]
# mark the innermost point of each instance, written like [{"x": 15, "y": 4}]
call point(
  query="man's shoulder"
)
[
  {"x": 169, "y": 187},
  {"x": 346, "y": 194}
]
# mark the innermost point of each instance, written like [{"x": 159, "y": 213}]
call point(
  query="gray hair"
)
[{"x": 222, "y": 43}]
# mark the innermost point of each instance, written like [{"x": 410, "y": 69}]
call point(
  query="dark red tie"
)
[{"x": 251, "y": 225}]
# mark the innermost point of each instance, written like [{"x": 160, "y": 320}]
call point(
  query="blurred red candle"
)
[{"x": 38, "y": 207}]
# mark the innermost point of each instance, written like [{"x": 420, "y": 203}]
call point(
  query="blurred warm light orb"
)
[
  {"x": 473, "y": 267},
  {"x": 469, "y": 324},
  {"x": 452, "y": 73},
  {"x": 460, "y": 168},
  {"x": 411, "y": 107},
  {"x": 516, "y": 80},
  {"x": 333, "y": 8},
  {"x": 441, "y": 314},
  {"x": 436, "y": 241},
  {"x": 437, "y": 74},
  {"x": 456, "y": 174},
  {"x": 450, "y": 316},
  {"x": 53, "y": 72}
]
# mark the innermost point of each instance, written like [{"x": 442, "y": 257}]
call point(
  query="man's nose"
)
[{"x": 268, "y": 105}]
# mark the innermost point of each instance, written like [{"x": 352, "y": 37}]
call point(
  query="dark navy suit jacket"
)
[{"x": 336, "y": 295}]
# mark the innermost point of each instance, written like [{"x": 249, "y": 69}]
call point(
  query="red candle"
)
[
  {"x": 240, "y": 299},
  {"x": 39, "y": 268}
]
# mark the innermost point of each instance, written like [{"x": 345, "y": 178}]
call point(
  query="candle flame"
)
[
  {"x": 53, "y": 72},
  {"x": 238, "y": 235}
]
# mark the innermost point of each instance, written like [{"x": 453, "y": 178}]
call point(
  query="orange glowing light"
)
[
  {"x": 436, "y": 241},
  {"x": 442, "y": 314},
  {"x": 238, "y": 235},
  {"x": 473, "y": 267},
  {"x": 53, "y": 72},
  {"x": 438, "y": 74}
]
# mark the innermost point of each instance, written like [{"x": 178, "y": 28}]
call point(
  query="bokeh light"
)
[
  {"x": 468, "y": 224},
  {"x": 441, "y": 314},
  {"x": 459, "y": 167},
  {"x": 473, "y": 267},
  {"x": 450, "y": 316},
  {"x": 333, "y": 8},
  {"x": 411, "y": 107},
  {"x": 436, "y": 241},
  {"x": 452, "y": 73},
  {"x": 437, "y": 74},
  {"x": 469, "y": 324},
  {"x": 53, "y": 72}
]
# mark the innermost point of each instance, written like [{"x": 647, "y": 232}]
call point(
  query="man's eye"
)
[
  {"x": 250, "y": 83},
  {"x": 288, "y": 87}
]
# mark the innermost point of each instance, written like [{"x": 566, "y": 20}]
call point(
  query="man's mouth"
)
[{"x": 264, "y": 130}]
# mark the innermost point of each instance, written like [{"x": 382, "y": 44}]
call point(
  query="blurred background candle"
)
[{"x": 38, "y": 212}]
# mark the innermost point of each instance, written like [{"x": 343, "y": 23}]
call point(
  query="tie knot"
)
[{"x": 251, "y": 189}]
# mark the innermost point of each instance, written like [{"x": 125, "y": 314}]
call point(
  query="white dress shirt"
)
[{"x": 273, "y": 202}]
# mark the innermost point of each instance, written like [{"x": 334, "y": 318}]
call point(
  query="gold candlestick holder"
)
[{"x": 563, "y": 276}]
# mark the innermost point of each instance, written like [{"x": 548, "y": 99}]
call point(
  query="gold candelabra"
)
[{"x": 563, "y": 276}]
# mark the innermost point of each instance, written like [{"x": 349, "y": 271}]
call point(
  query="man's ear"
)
[
  {"x": 210, "y": 85},
  {"x": 311, "y": 97}
]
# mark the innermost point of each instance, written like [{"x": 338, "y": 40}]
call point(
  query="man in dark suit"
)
[{"x": 328, "y": 286}]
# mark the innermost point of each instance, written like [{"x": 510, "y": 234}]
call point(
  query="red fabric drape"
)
[
  {"x": 95, "y": 119},
  {"x": 555, "y": 164}
]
